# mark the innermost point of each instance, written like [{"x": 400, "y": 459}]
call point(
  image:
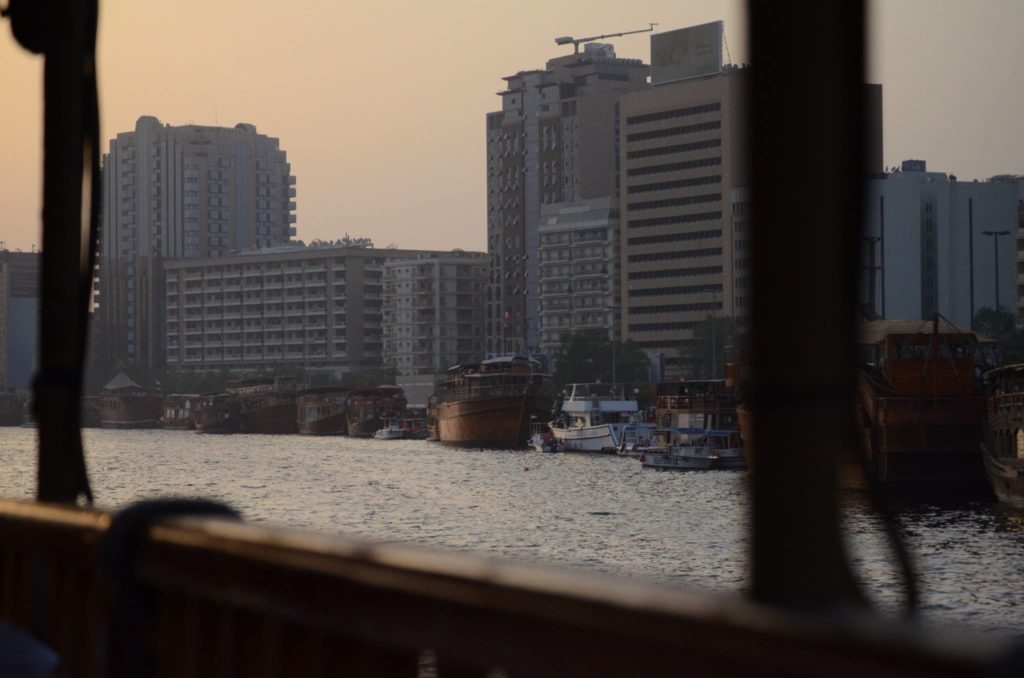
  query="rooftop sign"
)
[{"x": 686, "y": 53}]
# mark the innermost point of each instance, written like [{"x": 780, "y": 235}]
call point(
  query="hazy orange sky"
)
[{"x": 380, "y": 106}]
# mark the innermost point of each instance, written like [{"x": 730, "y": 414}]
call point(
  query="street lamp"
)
[{"x": 995, "y": 242}]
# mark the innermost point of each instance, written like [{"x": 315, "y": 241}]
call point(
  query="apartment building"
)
[
  {"x": 433, "y": 311},
  {"x": 318, "y": 308},
  {"x": 19, "y": 318},
  {"x": 554, "y": 140},
  {"x": 184, "y": 192},
  {"x": 579, "y": 269}
]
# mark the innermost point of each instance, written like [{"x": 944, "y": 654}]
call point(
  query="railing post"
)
[{"x": 808, "y": 165}]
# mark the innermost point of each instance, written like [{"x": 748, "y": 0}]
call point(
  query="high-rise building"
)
[
  {"x": 682, "y": 170},
  {"x": 19, "y": 318},
  {"x": 176, "y": 193},
  {"x": 554, "y": 140},
  {"x": 433, "y": 311},
  {"x": 932, "y": 241},
  {"x": 579, "y": 269}
]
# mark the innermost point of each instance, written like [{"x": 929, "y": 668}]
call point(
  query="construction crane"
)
[{"x": 576, "y": 42}]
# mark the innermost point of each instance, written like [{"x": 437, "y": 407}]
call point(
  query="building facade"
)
[
  {"x": 554, "y": 140},
  {"x": 175, "y": 193},
  {"x": 318, "y": 308},
  {"x": 579, "y": 269},
  {"x": 433, "y": 311},
  {"x": 19, "y": 318},
  {"x": 682, "y": 155},
  {"x": 926, "y": 250}
]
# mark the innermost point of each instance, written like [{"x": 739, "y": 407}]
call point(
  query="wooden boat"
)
[
  {"x": 491, "y": 404},
  {"x": 432, "y": 432},
  {"x": 266, "y": 405},
  {"x": 11, "y": 409},
  {"x": 179, "y": 411},
  {"x": 920, "y": 410},
  {"x": 218, "y": 413},
  {"x": 125, "y": 404},
  {"x": 368, "y": 409},
  {"x": 593, "y": 418},
  {"x": 321, "y": 411},
  {"x": 1003, "y": 449}
]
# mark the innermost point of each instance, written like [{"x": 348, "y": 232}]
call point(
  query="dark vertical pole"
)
[
  {"x": 881, "y": 235},
  {"x": 995, "y": 243},
  {"x": 806, "y": 110},
  {"x": 970, "y": 250},
  {"x": 70, "y": 138}
]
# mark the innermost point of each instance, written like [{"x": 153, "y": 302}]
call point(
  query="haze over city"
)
[{"x": 381, "y": 111}]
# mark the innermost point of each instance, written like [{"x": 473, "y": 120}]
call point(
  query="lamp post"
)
[{"x": 995, "y": 242}]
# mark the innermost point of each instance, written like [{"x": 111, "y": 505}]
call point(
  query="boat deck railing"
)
[
  {"x": 219, "y": 597},
  {"x": 697, "y": 403}
]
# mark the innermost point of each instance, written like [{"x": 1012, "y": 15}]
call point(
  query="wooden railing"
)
[{"x": 229, "y": 598}]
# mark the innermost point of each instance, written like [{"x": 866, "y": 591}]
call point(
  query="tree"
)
[
  {"x": 715, "y": 341},
  {"x": 585, "y": 356},
  {"x": 1001, "y": 327}
]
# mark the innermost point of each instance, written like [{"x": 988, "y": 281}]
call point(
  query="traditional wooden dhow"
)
[
  {"x": 321, "y": 411},
  {"x": 920, "y": 410},
  {"x": 11, "y": 409},
  {"x": 369, "y": 409},
  {"x": 492, "y": 403},
  {"x": 266, "y": 405},
  {"x": 125, "y": 404},
  {"x": 218, "y": 413},
  {"x": 179, "y": 411},
  {"x": 1003, "y": 450}
]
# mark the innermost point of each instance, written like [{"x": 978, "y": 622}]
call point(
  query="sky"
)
[{"x": 381, "y": 105}]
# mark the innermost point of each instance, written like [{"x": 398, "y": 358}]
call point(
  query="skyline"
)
[{"x": 389, "y": 143}]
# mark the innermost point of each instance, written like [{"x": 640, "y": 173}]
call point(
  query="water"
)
[{"x": 596, "y": 512}]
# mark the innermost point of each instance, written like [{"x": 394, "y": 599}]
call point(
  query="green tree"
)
[
  {"x": 1001, "y": 327},
  {"x": 715, "y": 341},
  {"x": 585, "y": 356}
]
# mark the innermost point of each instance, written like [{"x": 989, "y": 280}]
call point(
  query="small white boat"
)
[
  {"x": 393, "y": 431},
  {"x": 688, "y": 449},
  {"x": 589, "y": 422},
  {"x": 541, "y": 438},
  {"x": 677, "y": 459}
]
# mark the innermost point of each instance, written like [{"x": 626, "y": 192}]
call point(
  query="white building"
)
[
  {"x": 931, "y": 251},
  {"x": 579, "y": 269},
  {"x": 434, "y": 311}
]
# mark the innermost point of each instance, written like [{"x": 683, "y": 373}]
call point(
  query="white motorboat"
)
[
  {"x": 541, "y": 438},
  {"x": 588, "y": 421},
  {"x": 694, "y": 449},
  {"x": 393, "y": 431}
]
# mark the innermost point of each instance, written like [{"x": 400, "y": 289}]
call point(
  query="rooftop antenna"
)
[{"x": 576, "y": 42}]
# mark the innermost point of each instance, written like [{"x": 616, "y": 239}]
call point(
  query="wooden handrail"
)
[{"x": 228, "y": 592}]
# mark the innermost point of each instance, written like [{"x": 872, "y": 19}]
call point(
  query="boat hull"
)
[
  {"x": 331, "y": 425},
  {"x": 1006, "y": 476},
  {"x": 502, "y": 422},
  {"x": 130, "y": 411},
  {"x": 602, "y": 438},
  {"x": 675, "y": 462},
  {"x": 365, "y": 428},
  {"x": 271, "y": 419}
]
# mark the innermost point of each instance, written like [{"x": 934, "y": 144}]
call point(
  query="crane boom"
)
[{"x": 576, "y": 42}]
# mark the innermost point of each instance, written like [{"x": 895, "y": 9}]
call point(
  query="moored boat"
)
[
  {"x": 1003, "y": 449},
  {"x": 393, "y": 431},
  {"x": 368, "y": 409},
  {"x": 693, "y": 449},
  {"x": 321, "y": 411},
  {"x": 179, "y": 411},
  {"x": 266, "y": 405},
  {"x": 593, "y": 418},
  {"x": 491, "y": 403},
  {"x": 218, "y": 413},
  {"x": 920, "y": 410},
  {"x": 125, "y": 404}
]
